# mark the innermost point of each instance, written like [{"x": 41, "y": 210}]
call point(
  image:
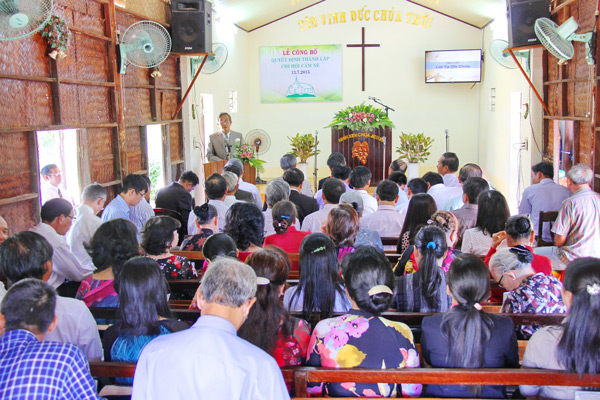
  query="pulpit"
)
[
  {"x": 372, "y": 148},
  {"x": 249, "y": 174}
]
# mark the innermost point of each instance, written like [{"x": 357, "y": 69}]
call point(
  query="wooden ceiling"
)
[{"x": 253, "y": 14}]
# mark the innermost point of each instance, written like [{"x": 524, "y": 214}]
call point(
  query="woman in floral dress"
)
[{"x": 362, "y": 338}]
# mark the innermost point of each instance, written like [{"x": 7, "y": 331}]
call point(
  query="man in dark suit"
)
[
  {"x": 240, "y": 194},
  {"x": 177, "y": 197},
  {"x": 305, "y": 204},
  {"x": 220, "y": 146},
  {"x": 333, "y": 160}
]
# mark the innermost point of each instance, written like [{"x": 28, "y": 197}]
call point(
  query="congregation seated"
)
[
  {"x": 385, "y": 220},
  {"x": 362, "y": 338},
  {"x": 28, "y": 255},
  {"x": 269, "y": 325},
  {"x": 286, "y": 236},
  {"x": 573, "y": 345},
  {"x": 420, "y": 209},
  {"x": 320, "y": 289},
  {"x": 158, "y": 238},
  {"x": 467, "y": 171},
  {"x": 360, "y": 180},
  {"x": 399, "y": 178},
  {"x": 32, "y": 368},
  {"x": 413, "y": 187},
  {"x": 492, "y": 213},
  {"x": 425, "y": 290},
  {"x": 277, "y": 190},
  {"x": 342, "y": 227},
  {"x": 365, "y": 236},
  {"x": 449, "y": 225},
  {"x": 215, "y": 187},
  {"x": 333, "y": 160},
  {"x": 288, "y": 162},
  {"x": 141, "y": 317},
  {"x": 209, "y": 360},
  {"x": 245, "y": 224},
  {"x": 438, "y": 190},
  {"x": 207, "y": 221},
  {"x": 447, "y": 166},
  {"x": 114, "y": 242},
  {"x": 304, "y": 202},
  {"x": 465, "y": 336},
  {"x": 341, "y": 172},
  {"x": 332, "y": 191},
  {"x": 528, "y": 291},
  {"x": 467, "y": 214}
]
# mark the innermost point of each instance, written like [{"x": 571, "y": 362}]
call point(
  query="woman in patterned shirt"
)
[
  {"x": 529, "y": 292},
  {"x": 362, "y": 338},
  {"x": 158, "y": 238}
]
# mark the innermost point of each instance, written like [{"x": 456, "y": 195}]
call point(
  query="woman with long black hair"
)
[
  {"x": 425, "y": 290},
  {"x": 492, "y": 213},
  {"x": 465, "y": 336},
  {"x": 573, "y": 345},
  {"x": 320, "y": 289},
  {"x": 420, "y": 209}
]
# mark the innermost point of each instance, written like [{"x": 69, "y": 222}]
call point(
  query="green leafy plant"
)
[
  {"x": 246, "y": 154},
  {"x": 414, "y": 147},
  {"x": 303, "y": 146},
  {"x": 361, "y": 118}
]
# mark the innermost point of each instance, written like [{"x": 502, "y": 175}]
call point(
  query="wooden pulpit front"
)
[
  {"x": 373, "y": 149},
  {"x": 216, "y": 167}
]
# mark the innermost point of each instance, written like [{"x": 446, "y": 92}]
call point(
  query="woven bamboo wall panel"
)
[
  {"x": 170, "y": 72},
  {"x": 102, "y": 170},
  {"x": 552, "y": 68},
  {"x": 137, "y": 76},
  {"x": 15, "y": 173},
  {"x": 100, "y": 142},
  {"x": 91, "y": 23},
  {"x": 175, "y": 142},
  {"x": 124, "y": 20},
  {"x": 168, "y": 101},
  {"x": 134, "y": 151},
  {"x": 152, "y": 9},
  {"x": 137, "y": 105},
  {"x": 87, "y": 60},
  {"x": 582, "y": 99},
  {"x": 552, "y": 100},
  {"x": 69, "y": 104},
  {"x": 25, "y": 103},
  {"x": 93, "y": 108},
  {"x": 19, "y": 216},
  {"x": 585, "y": 143},
  {"x": 25, "y": 57},
  {"x": 90, "y": 7}
]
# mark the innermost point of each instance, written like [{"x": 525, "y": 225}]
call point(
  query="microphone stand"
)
[
  {"x": 387, "y": 108},
  {"x": 447, "y": 141},
  {"x": 384, "y": 161},
  {"x": 316, "y": 169}
]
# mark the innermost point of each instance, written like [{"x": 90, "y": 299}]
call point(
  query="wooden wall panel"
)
[
  {"x": 170, "y": 72},
  {"x": 69, "y": 104},
  {"x": 137, "y": 105},
  {"x": 176, "y": 145},
  {"x": 25, "y": 103},
  {"x": 20, "y": 216},
  {"x": 134, "y": 151},
  {"x": 169, "y": 101},
  {"x": 93, "y": 108},
  {"x": 15, "y": 172},
  {"x": 102, "y": 159},
  {"x": 24, "y": 57}
]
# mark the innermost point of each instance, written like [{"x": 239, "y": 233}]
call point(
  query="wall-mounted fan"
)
[
  {"x": 21, "y": 18},
  {"x": 496, "y": 50},
  {"x": 261, "y": 141},
  {"x": 144, "y": 44},
  {"x": 557, "y": 39},
  {"x": 216, "y": 62}
]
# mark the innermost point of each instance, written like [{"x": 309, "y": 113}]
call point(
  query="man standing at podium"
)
[{"x": 220, "y": 146}]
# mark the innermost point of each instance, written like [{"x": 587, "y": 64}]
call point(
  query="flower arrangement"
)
[
  {"x": 361, "y": 118},
  {"x": 303, "y": 146},
  {"x": 57, "y": 35},
  {"x": 414, "y": 147},
  {"x": 246, "y": 154}
]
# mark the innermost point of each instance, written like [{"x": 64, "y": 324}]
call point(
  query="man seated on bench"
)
[
  {"x": 32, "y": 368},
  {"x": 209, "y": 359}
]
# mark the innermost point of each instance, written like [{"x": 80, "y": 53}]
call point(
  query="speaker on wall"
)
[
  {"x": 191, "y": 26},
  {"x": 521, "y": 19}
]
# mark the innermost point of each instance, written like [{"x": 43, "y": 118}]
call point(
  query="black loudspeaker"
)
[
  {"x": 521, "y": 19},
  {"x": 191, "y": 26}
]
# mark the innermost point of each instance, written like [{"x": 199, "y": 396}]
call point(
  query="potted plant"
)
[
  {"x": 414, "y": 148},
  {"x": 303, "y": 147}
]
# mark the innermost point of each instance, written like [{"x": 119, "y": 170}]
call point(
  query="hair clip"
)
[
  {"x": 429, "y": 222},
  {"x": 593, "y": 289},
  {"x": 284, "y": 216},
  {"x": 262, "y": 281},
  {"x": 318, "y": 249},
  {"x": 431, "y": 245},
  {"x": 380, "y": 289},
  {"x": 477, "y": 306}
]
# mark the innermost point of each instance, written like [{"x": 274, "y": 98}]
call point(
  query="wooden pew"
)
[{"x": 442, "y": 376}]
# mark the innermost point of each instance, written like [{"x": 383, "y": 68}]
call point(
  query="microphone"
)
[{"x": 373, "y": 98}]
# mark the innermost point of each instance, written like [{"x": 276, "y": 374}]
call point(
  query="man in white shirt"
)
[
  {"x": 51, "y": 180},
  {"x": 86, "y": 222},
  {"x": 29, "y": 255},
  {"x": 400, "y": 179},
  {"x": 447, "y": 166},
  {"x": 466, "y": 172},
  {"x": 237, "y": 167},
  {"x": 209, "y": 360},
  {"x": 232, "y": 187},
  {"x": 333, "y": 189},
  {"x": 57, "y": 216},
  {"x": 360, "y": 180},
  {"x": 221, "y": 144},
  {"x": 215, "y": 188},
  {"x": 288, "y": 161},
  {"x": 440, "y": 192},
  {"x": 414, "y": 186},
  {"x": 386, "y": 220}
]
